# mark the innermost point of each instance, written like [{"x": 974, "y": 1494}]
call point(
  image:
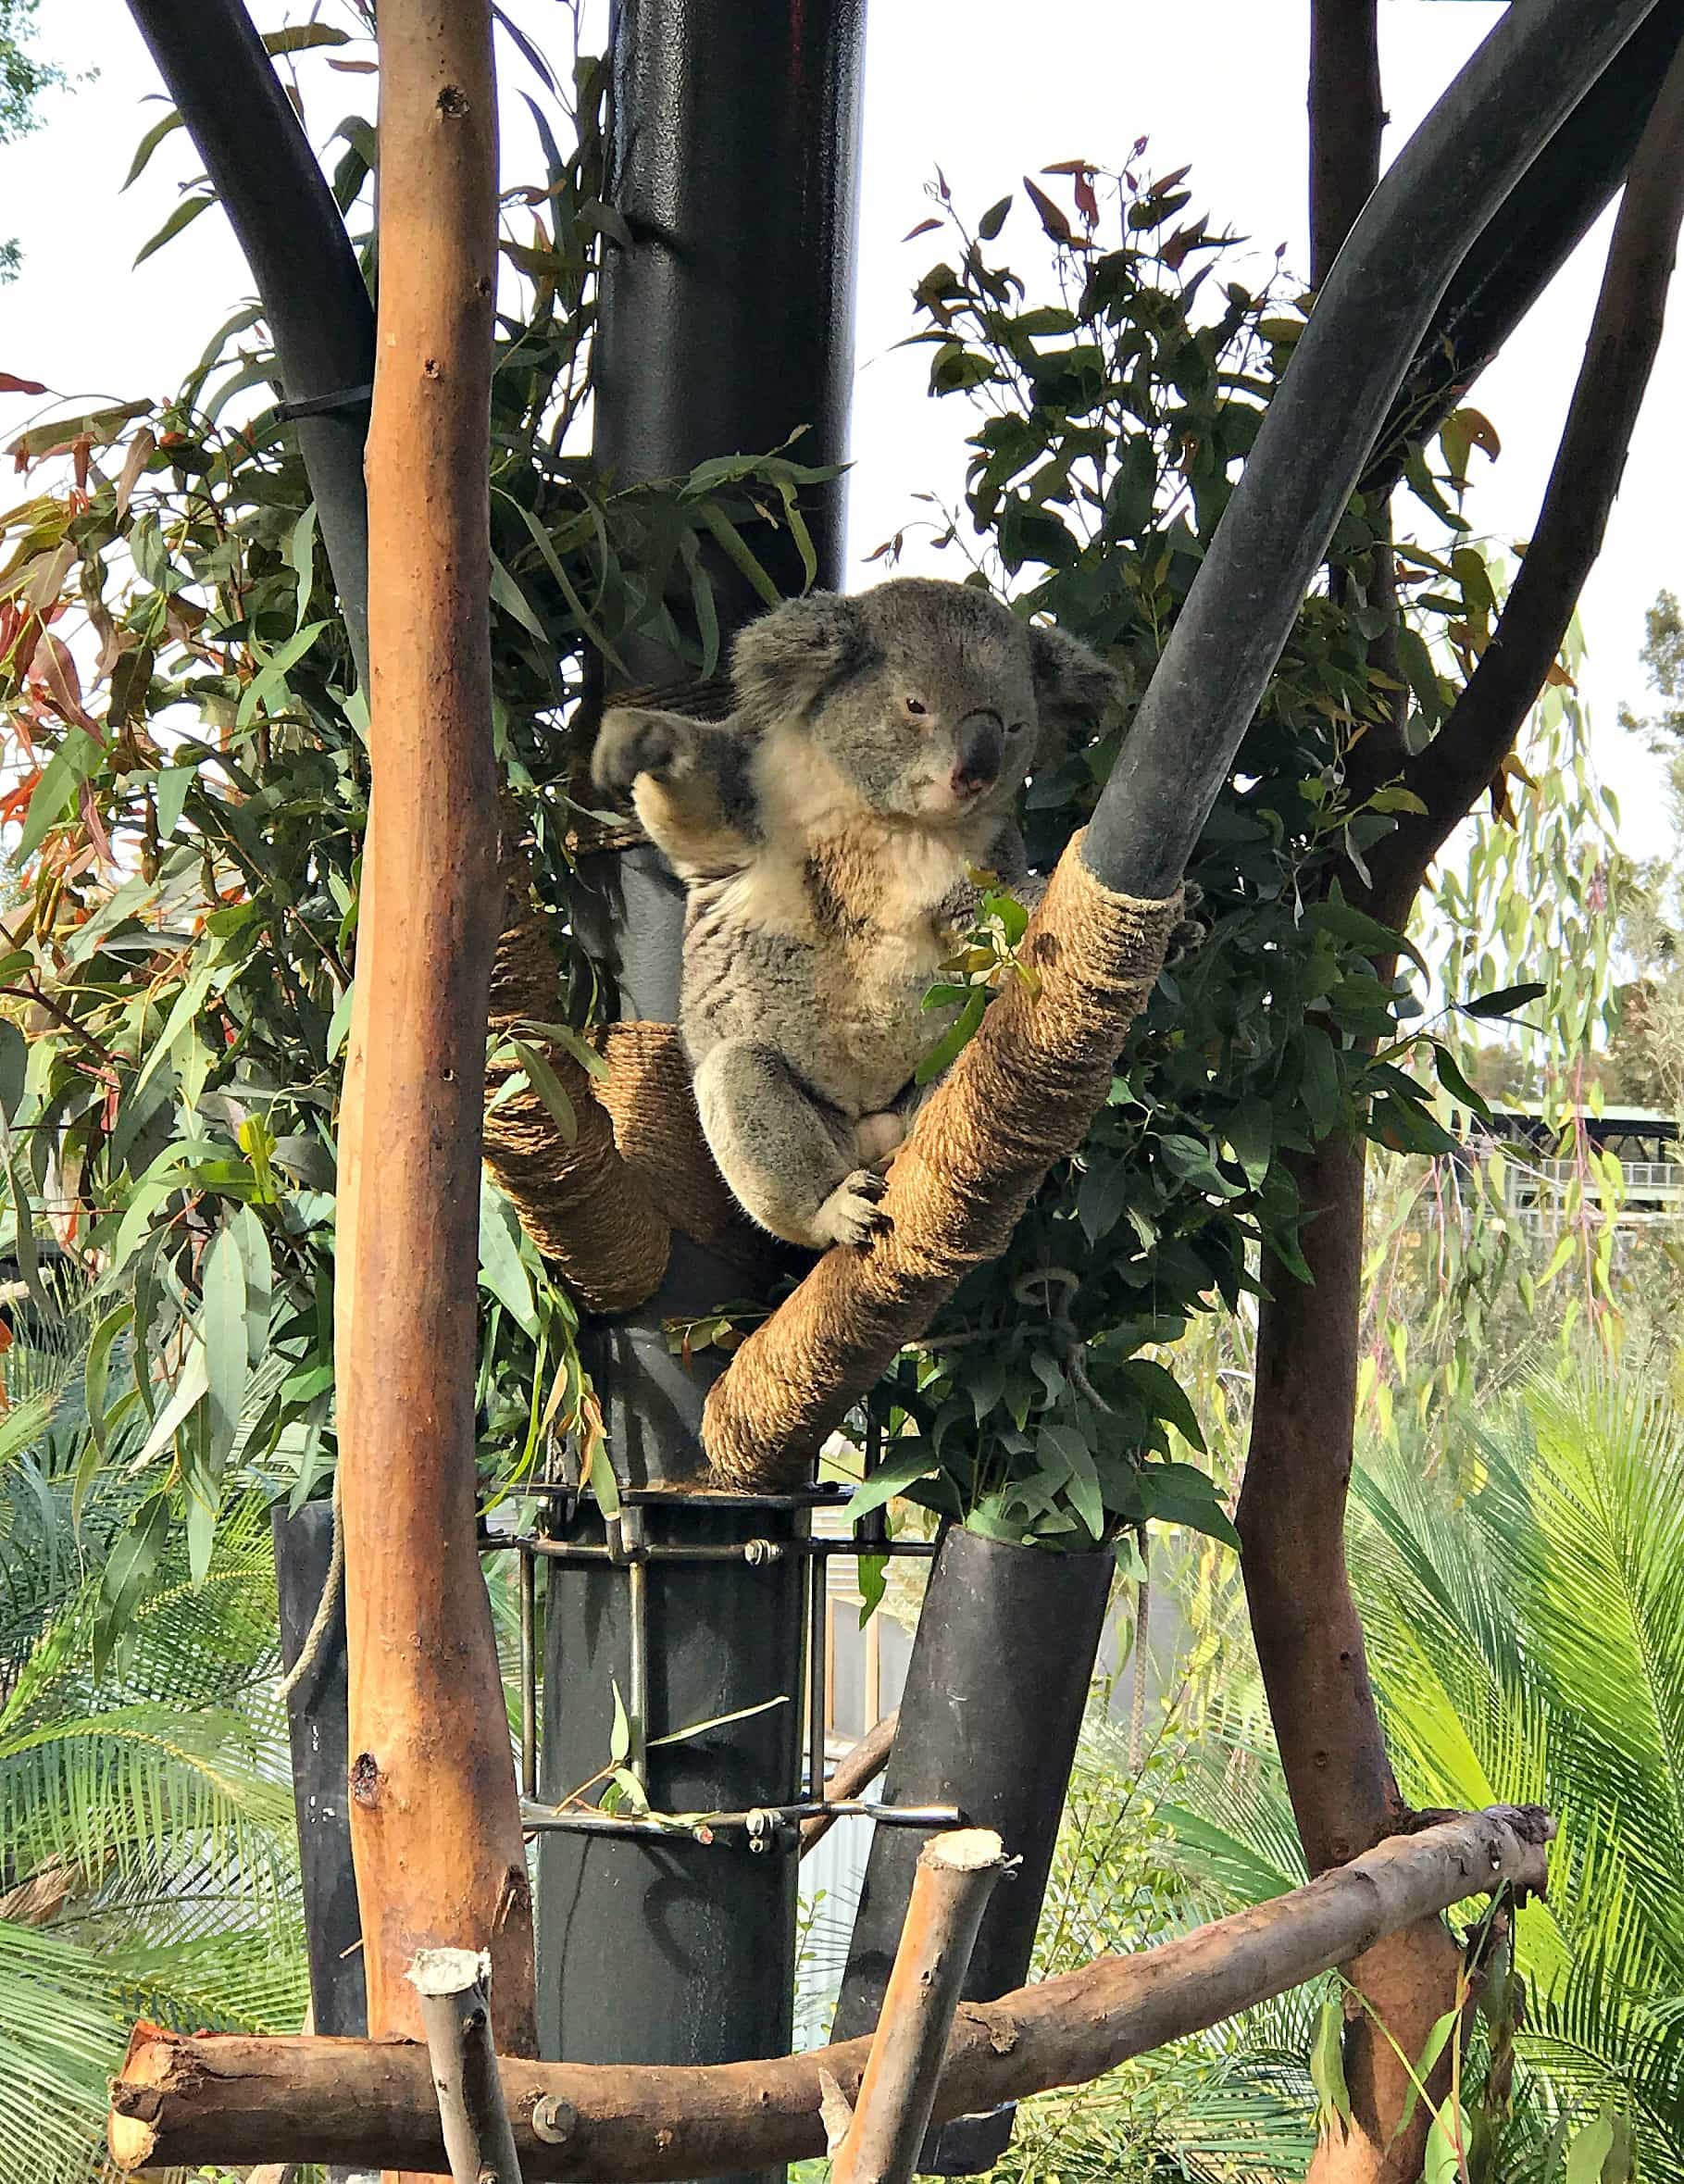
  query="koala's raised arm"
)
[{"x": 688, "y": 785}]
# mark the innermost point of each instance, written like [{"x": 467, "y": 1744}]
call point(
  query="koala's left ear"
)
[
  {"x": 1074, "y": 688},
  {"x": 785, "y": 659}
]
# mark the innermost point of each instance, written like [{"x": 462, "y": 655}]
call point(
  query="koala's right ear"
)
[
  {"x": 1074, "y": 688},
  {"x": 782, "y": 662}
]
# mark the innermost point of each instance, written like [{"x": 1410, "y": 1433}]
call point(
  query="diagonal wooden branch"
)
[
  {"x": 231, "y": 2099},
  {"x": 1454, "y": 769}
]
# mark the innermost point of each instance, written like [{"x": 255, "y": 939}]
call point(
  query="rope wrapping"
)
[
  {"x": 601, "y": 1209},
  {"x": 1019, "y": 1097}
]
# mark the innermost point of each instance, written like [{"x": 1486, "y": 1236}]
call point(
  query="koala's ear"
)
[
  {"x": 1074, "y": 688},
  {"x": 785, "y": 658}
]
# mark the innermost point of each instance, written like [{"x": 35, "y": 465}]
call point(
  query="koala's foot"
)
[
  {"x": 632, "y": 743},
  {"x": 876, "y": 1136},
  {"x": 853, "y": 1212}
]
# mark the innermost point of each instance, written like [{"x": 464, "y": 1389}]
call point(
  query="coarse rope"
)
[
  {"x": 600, "y": 1205},
  {"x": 1020, "y": 1096},
  {"x": 316, "y": 1637}
]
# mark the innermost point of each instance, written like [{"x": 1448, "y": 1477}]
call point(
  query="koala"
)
[{"x": 826, "y": 834}]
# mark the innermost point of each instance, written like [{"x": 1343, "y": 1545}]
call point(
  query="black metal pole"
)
[
  {"x": 282, "y": 213},
  {"x": 1452, "y": 178},
  {"x": 725, "y": 329}
]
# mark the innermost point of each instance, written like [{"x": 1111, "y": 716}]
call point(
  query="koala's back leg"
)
[{"x": 788, "y": 1166}]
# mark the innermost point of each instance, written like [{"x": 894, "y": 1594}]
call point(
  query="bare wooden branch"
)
[
  {"x": 435, "y": 1820},
  {"x": 1346, "y": 119},
  {"x": 228, "y": 2099},
  {"x": 454, "y": 1986},
  {"x": 955, "y": 1875},
  {"x": 853, "y": 1770},
  {"x": 1449, "y": 774}
]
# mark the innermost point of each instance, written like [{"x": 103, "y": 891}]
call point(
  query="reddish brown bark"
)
[
  {"x": 434, "y": 1817},
  {"x": 1292, "y": 1509},
  {"x": 228, "y": 2099},
  {"x": 1345, "y": 123},
  {"x": 1309, "y": 1639}
]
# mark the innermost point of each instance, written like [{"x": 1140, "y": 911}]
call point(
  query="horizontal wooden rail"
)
[{"x": 229, "y": 2100}]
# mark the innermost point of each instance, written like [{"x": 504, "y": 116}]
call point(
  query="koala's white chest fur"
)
[{"x": 840, "y": 921}]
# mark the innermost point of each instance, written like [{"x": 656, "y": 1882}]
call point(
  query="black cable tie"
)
[{"x": 323, "y": 404}]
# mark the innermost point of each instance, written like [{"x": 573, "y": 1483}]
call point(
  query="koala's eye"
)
[
  {"x": 916, "y": 708},
  {"x": 1016, "y": 728}
]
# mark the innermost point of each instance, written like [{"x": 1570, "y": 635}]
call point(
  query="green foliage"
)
[
  {"x": 1114, "y": 413},
  {"x": 149, "y": 1857},
  {"x": 1527, "y": 1643},
  {"x": 188, "y": 822}
]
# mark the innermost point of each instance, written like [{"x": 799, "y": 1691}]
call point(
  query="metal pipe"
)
[
  {"x": 818, "y": 1588},
  {"x": 528, "y": 1673},
  {"x": 637, "y": 1674},
  {"x": 284, "y": 219},
  {"x": 550, "y": 1820},
  {"x": 1451, "y": 178}
]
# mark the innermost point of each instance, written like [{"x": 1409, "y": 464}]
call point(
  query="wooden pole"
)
[
  {"x": 855, "y": 1770},
  {"x": 435, "y": 1823},
  {"x": 232, "y": 2100},
  {"x": 955, "y": 1875},
  {"x": 453, "y": 1989}
]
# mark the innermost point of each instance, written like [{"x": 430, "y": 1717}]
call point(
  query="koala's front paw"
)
[
  {"x": 851, "y": 1213},
  {"x": 630, "y": 744}
]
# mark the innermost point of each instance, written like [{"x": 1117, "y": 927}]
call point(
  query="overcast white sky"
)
[{"x": 990, "y": 89}]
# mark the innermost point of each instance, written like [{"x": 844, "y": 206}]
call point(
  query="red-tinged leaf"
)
[
  {"x": 1068, "y": 167},
  {"x": 11, "y": 384},
  {"x": 942, "y": 191},
  {"x": 1087, "y": 204},
  {"x": 1180, "y": 242},
  {"x": 57, "y": 673},
  {"x": 1167, "y": 181},
  {"x": 1052, "y": 218},
  {"x": 81, "y": 455},
  {"x": 923, "y": 228},
  {"x": 93, "y": 826},
  {"x": 140, "y": 453}
]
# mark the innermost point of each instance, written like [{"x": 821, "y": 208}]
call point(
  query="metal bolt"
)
[{"x": 554, "y": 2120}]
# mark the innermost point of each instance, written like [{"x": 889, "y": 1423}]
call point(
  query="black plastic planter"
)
[{"x": 996, "y": 1691}]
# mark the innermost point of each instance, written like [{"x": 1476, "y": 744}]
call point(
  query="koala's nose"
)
[{"x": 979, "y": 747}]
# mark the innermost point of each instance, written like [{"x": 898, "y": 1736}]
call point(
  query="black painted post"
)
[
  {"x": 725, "y": 328},
  {"x": 313, "y": 296}
]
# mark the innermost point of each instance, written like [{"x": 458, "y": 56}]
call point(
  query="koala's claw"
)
[
  {"x": 851, "y": 1213},
  {"x": 632, "y": 743}
]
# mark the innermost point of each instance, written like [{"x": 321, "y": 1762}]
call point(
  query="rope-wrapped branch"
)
[
  {"x": 1020, "y": 1096},
  {"x": 602, "y": 1206}
]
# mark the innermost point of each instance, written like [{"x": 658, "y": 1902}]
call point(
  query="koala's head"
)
[{"x": 927, "y": 697}]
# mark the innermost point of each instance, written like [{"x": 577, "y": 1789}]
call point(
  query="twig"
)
[
  {"x": 454, "y": 1989},
  {"x": 955, "y": 1875},
  {"x": 852, "y": 1773}
]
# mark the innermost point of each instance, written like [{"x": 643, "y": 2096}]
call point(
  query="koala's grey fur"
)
[{"x": 826, "y": 834}]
